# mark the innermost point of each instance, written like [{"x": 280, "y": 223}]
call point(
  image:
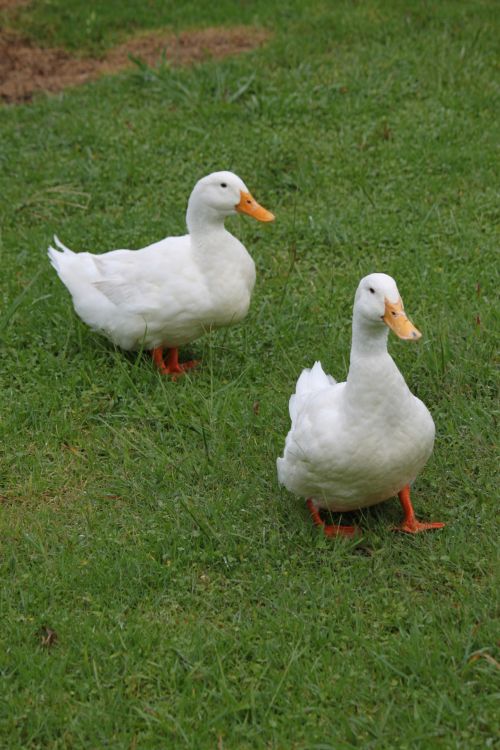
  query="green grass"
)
[
  {"x": 194, "y": 604},
  {"x": 91, "y": 26}
]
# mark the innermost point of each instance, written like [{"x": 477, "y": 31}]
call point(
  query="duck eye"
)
[
  {"x": 223, "y": 184},
  {"x": 372, "y": 290}
]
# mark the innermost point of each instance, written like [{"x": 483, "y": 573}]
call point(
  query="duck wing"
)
[{"x": 140, "y": 282}]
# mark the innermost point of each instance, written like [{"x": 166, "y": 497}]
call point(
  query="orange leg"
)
[
  {"x": 410, "y": 524},
  {"x": 329, "y": 529},
  {"x": 172, "y": 365}
]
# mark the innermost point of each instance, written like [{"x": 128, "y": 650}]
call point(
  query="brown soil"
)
[
  {"x": 26, "y": 69},
  {"x": 11, "y": 4}
]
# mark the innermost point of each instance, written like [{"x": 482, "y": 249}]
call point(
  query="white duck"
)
[
  {"x": 172, "y": 291},
  {"x": 358, "y": 443}
]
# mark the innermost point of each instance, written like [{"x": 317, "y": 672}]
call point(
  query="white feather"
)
[
  {"x": 170, "y": 292},
  {"x": 310, "y": 381},
  {"x": 357, "y": 443}
]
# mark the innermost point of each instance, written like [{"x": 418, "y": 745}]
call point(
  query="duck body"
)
[
  {"x": 175, "y": 290},
  {"x": 358, "y": 443},
  {"x": 164, "y": 295}
]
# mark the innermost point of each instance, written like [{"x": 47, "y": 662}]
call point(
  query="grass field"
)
[{"x": 194, "y": 604}]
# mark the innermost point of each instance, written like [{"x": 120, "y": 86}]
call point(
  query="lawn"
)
[{"x": 159, "y": 590}]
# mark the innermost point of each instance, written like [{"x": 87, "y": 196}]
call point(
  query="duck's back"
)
[{"x": 131, "y": 296}]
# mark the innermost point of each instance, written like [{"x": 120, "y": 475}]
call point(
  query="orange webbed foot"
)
[
  {"x": 410, "y": 524},
  {"x": 172, "y": 366},
  {"x": 417, "y": 526},
  {"x": 330, "y": 529}
]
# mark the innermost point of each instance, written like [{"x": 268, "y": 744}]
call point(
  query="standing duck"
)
[
  {"x": 175, "y": 290},
  {"x": 355, "y": 444}
]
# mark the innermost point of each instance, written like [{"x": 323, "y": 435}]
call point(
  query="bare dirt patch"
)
[
  {"x": 26, "y": 69},
  {"x": 12, "y": 4}
]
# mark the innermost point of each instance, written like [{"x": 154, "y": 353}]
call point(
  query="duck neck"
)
[
  {"x": 369, "y": 340},
  {"x": 371, "y": 366},
  {"x": 203, "y": 221},
  {"x": 374, "y": 383}
]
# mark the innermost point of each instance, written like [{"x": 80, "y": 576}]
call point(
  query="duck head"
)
[
  {"x": 379, "y": 303},
  {"x": 221, "y": 194}
]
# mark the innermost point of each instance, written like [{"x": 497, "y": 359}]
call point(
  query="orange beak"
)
[
  {"x": 248, "y": 205},
  {"x": 396, "y": 319}
]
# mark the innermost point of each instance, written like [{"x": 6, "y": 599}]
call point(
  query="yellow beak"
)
[
  {"x": 396, "y": 319},
  {"x": 248, "y": 205}
]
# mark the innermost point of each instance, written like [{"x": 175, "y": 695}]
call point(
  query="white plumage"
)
[
  {"x": 357, "y": 443},
  {"x": 175, "y": 290}
]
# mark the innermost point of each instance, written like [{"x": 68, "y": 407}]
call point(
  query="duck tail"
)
[
  {"x": 56, "y": 254},
  {"x": 310, "y": 381},
  {"x": 61, "y": 246}
]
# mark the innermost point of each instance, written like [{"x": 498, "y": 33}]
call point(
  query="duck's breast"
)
[
  {"x": 350, "y": 457},
  {"x": 229, "y": 275}
]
